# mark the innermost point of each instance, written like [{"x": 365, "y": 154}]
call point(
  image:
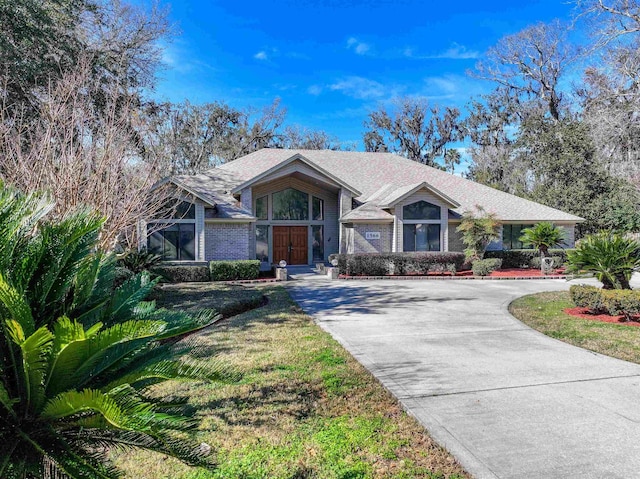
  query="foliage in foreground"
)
[
  {"x": 611, "y": 257},
  {"x": 304, "y": 409},
  {"x": 77, "y": 356}
]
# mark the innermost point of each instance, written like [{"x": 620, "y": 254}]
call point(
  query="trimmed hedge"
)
[
  {"x": 614, "y": 302},
  {"x": 484, "y": 267},
  {"x": 234, "y": 270},
  {"x": 381, "y": 264},
  {"x": 522, "y": 258},
  {"x": 182, "y": 273}
]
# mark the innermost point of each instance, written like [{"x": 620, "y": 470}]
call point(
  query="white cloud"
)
[
  {"x": 361, "y": 48},
  {"x": 314, "y": 90},
  {"x": 455, "y": 87},
  {"x": 454, "y": 52},
  {"x": 459, "y": 52},
  {"x": 261, "y": 55},
  {"x": 359, "y": 87}
]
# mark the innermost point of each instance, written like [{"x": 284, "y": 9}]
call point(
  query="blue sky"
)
[{"x": 331, "y": 62}]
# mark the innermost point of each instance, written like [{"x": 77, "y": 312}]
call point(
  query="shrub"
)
[
  {"x": 139, "y": 261},
  {"x": 122, "y": 275},
  {"x": 484, "y": 267},
  {"x": 182, "y": 273},
  {"x": 614, "y": 302},
  {"x": 380, "y": 264},
  {"x": 618, "y": 302},
  {"x": 585, "y": 296},
  {"x": 368, "y": 265},
  {"x": 234, "y": 270},
  {"x": 523, "y": 258},
  {"x": 611, "y": 257}
]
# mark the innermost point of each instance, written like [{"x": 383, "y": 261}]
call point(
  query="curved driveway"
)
[{"x": 507, "y": 401}]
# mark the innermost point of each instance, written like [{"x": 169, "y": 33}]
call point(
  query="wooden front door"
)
[{"x": 290, "y": 243}]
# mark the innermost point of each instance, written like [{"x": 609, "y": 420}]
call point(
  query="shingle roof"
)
[
  {"x": 371, "y": 172},
  {"x": 215, "y": 190},
  {"x": 367, "y": 212}
]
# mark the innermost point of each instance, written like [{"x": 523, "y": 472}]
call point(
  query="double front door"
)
[{"x": 290, "y": 243}]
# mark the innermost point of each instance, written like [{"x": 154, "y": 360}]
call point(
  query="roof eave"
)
[
  {"x": 303, "y": 159},
  {"x": 427, "y": 186},
  {"x": 184, "y": 187}
]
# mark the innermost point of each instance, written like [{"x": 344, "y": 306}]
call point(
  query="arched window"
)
[
  {"x": 421, "y": 210},
  {"x": 421, "y": 229},
  {"x": 291, "y": 205}
]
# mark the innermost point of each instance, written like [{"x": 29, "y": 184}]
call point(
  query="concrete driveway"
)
[{"x": 507, "y": 401}]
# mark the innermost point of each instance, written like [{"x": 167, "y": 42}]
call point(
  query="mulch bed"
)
[
  {"x": 585, "y": 313},
  {"x": 510, "y": 273}
]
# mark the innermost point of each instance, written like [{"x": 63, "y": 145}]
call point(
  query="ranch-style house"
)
[{"x": 303, "y": 205}]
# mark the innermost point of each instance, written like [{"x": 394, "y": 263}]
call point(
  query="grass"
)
[
  {"x": 544, "y": 312},
  {"x": 304, "y": 408},
  {"x": 227, "y": 299}
]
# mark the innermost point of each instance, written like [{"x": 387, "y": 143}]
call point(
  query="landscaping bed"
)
[
  {"x": 585, "y": 313},
  {"x": 547, "y": 313},
  {"x": 510, "y": 273},
  {"x": 304, "y": 407}
]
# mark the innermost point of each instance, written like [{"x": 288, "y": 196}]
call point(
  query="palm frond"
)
[
  {"x": 35, "y": 354},
  {"x": 86, "y": 357},
  {"x": 15, "y": 306},
  {"x": 127, "y": 297}
]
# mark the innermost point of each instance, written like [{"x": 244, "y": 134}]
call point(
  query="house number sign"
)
[{"x": 372, "y": 235}]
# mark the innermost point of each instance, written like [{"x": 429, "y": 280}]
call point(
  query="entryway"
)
[{"x": 291, "y": 243}]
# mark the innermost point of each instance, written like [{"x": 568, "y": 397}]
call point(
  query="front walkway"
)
[{"x": 507, "y": 401}]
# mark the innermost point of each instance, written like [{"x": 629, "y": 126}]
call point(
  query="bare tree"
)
[
  {"x": 415, "y": 130},
  {"x": 187, "y": 139},
  {"x": 299, "y": 137},
  {"x": 610, "y": 92},
  {"x": 81, "y": 158},
  {"x": 612, "y": 18},
  {"x": 530, "y": 63}
]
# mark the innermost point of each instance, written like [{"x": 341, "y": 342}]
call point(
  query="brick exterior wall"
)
[
  {"x": 363, "y": 245},
  {"x": 227, "y": 241}
]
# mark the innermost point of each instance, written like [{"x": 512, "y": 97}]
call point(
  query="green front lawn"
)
[
  {"x": 543, "y": 312},
  {"x": 304, "y": 407}
]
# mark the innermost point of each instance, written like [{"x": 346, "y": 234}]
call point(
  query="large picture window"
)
[
  {"x": 511, "y": 236},
  {"x": 421, "y": 237},
  {"x": 174, "y": 243},
  {"x": 421, "y": 210},
  {"x": 291, "y": 205}
]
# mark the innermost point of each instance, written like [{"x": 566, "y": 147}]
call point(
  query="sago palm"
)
[
  {"x": 77, "y": 357},
  {"x": 542, "y": 236},
  {"x": 611, "y": 257}
]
